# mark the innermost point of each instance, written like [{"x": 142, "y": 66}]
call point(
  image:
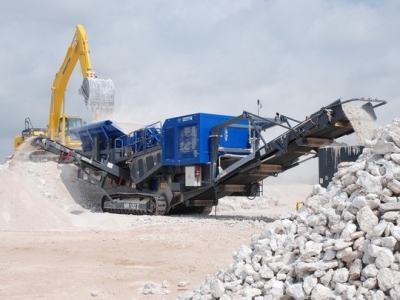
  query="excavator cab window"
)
[
  {"x": 74, "y": 122},
  {"x": 70, "y": 123}
]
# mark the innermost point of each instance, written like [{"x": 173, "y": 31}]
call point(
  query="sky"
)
[{"x": 171, "y": 58}]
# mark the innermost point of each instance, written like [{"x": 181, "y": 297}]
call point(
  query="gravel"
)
[{"x": 344, "y": 243}]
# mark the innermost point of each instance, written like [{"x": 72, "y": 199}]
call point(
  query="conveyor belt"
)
[{"x": 284, "y": 152}]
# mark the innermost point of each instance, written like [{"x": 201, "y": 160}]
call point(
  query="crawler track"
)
[{"x": 135, "y": 204}]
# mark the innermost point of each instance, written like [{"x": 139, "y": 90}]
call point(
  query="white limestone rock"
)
[
  {"x": 341, "y": 244},
  {"x": 149, "y": 288},
  {"x": 344, "y": 253},
  {"x": 320, "y": 292},
  {"x": 230, "y": 285},
  {"x": 217, "y": 288},
  {"x": 366, "y": 219},
  {"x": 240, "y": 271},
  {"x": 395, "y": 292},
  {"x": 309, "y": 283},
  {"x": 326, "y": 279},
  {"x": 250, "y": 292},
  {"x": 395, "y": 157},
  {"x": 384, "y": 259},
  {"x": 389, "y": 242},
  {"x": 382, "y": 147},
  {"x": 329, "y": 255},
  {"x": 266, "y": 272},
  {"x": 355, "y": 268},
  {"x": 373, "y": 250},
  {"x": 276, "y": 288},
  {"x": 370, "y": 283},
  {"x": 304, "y": 268},
  {"x": 340, "y": 275},
  {"x": 395, "y": 232},
  {"x": 369, "y": 183},
  {"x": 388, "y": 279},
  {"x": 352, "y": 256},
  {"x": 296, "y": 291},
  {"x": 392, "y": 206},
  {"x": 242, "y": 253}
]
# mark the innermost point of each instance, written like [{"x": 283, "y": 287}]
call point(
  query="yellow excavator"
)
[{"x": 98, "y": 94}]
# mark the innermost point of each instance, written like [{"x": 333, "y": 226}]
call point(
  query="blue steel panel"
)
[
  {"x": 186, "y": 139},
  {"x": 104, "y": 130},
  {"x": 144, "y": 138}
]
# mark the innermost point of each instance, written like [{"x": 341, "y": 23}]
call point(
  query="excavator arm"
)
[{"x": 98, "y": 93}]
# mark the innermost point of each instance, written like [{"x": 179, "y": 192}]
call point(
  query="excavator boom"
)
[
  {"x": 95, "y": 90},
  {"x": 98, "y": 93}
]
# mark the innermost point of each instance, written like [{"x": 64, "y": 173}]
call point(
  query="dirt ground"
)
[{"x": 114, "y": 264}]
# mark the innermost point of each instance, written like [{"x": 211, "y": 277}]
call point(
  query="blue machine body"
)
[
  {"x": 104, "y": 131},
  {"x": 186, "y": 139},
  {"x": 110, "y": 135}
]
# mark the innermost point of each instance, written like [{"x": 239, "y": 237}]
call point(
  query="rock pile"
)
[{"x": 344, "y": 243}]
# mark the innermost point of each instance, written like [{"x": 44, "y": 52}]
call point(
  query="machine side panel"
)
[{"x": 186, "y": 139}]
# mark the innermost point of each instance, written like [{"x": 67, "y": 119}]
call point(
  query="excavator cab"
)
[{"x": 66, "y": 124}]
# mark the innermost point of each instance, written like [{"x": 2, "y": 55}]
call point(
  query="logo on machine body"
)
[{"x": 187, "y": 118}]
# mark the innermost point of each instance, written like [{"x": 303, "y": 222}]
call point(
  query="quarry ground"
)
[
  {"x": 114, "y": 264},
  {"x": 117, "y": 264},
  {"x": 56, "y": 244}
]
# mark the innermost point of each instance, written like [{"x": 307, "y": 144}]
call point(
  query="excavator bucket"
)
[{"x": 99, "y": 96}]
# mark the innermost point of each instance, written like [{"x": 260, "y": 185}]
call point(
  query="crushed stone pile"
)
[{"x": 344, "y": 243}]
